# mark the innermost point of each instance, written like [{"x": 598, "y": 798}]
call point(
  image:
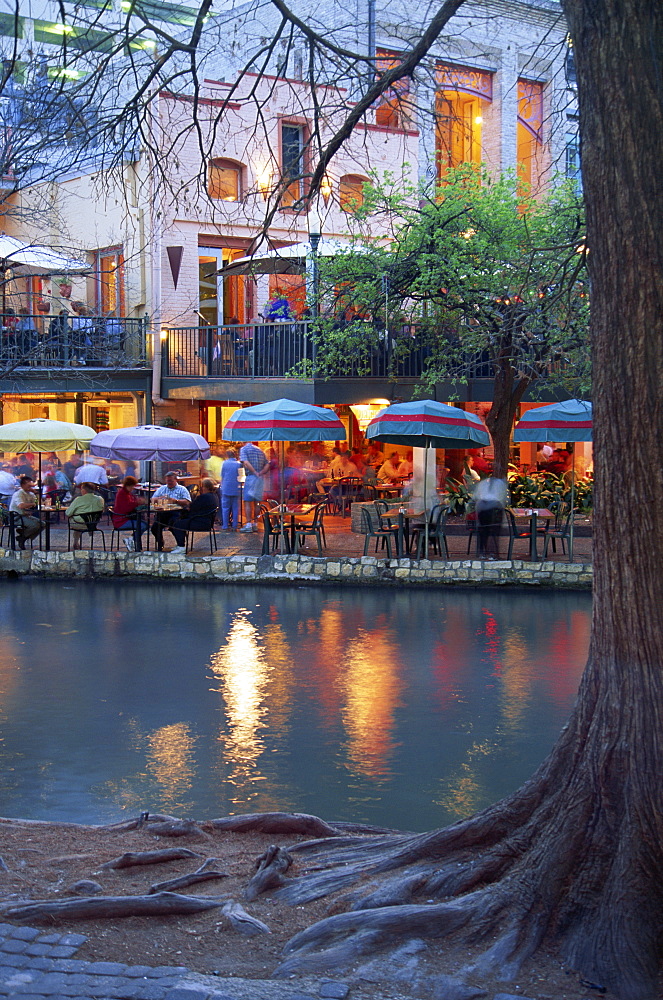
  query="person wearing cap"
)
[{"x": 175, "y": 494}]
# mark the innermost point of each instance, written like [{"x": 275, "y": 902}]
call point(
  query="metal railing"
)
[
  {"x": 73, "y": 342},
  {"x": 292, "y": 350},
  {"x": 286, "y": 350}
]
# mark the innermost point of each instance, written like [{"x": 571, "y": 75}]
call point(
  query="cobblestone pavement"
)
[{"x": 41, "y": 966}]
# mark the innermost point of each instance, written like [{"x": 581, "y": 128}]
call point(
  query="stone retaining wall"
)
[{"x": 289, "y": 568}]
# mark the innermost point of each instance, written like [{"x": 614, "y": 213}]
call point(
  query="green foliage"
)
[
  {"x": 457, "y": 497},
  {"x": 549, "y": 491},
  {"x": 479, "y": 274}
]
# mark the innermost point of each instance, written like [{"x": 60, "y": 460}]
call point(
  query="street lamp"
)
[{"x": 314, "y": 236}]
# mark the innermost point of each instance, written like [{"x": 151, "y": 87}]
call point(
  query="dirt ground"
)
[{"x": 45, "y": 860}]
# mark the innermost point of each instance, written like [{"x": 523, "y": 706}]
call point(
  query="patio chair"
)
[
  {"x": 272, "y": 534},
  {"x": 561, "y": 531},
  {"x": 314, "y": 527},
  {"x": 190, "y": 535},
  {"x": 516, "y": 532},
  {"x": 91, "y": 529},
  {"x": 437, "y": 537},
  {"x": 370, "y": 527}
]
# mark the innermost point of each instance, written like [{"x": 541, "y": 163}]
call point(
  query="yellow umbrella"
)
[{"x": 41, "y": 435}]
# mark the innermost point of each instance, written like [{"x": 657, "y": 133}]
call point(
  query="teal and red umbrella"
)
[
  {"x": 567, "y": 421},
  {"x": 284, "y": 420},
  {"x": 426, "y": 423}
]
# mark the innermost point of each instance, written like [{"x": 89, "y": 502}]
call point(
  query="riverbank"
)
[
  {"x": 46, "y": 861},
  {"x": 365, "y": 570}
]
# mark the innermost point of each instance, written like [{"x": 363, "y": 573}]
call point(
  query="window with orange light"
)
[
  {"x": 109, "y": 268},
  {"x": 391, "y": 110},
  {"x": 351, "y": 192},
  {"x": 530, "y": 133},
  {"x": 224, "y": 180},
  {"x": 461, "y": 101}
]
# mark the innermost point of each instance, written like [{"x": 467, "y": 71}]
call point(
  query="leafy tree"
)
[{"x": 480, "y": 274}]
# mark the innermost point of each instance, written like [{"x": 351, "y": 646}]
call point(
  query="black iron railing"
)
[
  {"x": 285, "y": 350},
  {"x": 73, "y": 341}
]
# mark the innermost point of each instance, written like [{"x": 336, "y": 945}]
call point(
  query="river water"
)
[{"x": 405, "y": 708}]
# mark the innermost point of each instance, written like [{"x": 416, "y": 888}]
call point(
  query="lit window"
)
[
  {"x": 109, "y": 268},
  {"x": 351, "y": 192},
  {"x": 530, "y": 133},
  {"x": 292, "y": 163},
  {"x": 463, "y": 97},
  {"x": 223, "y": 180},
  {"x": 391, "y": 111},
  {"x": 573, "y": 171}
]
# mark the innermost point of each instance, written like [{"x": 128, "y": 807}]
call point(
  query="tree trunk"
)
[
  {"x": 508, "y": 391},
  {"x": 576, "y": 854}
]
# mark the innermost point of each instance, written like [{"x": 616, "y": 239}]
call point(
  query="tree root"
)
[
  {"x": 276, "y": 823},
  {"x": 131, "y": 859},
  {"x": 202, "y": 874},
  {"x": 101, "y": 907},
  {"x": 242, "y": 921},
  {"x": 271, "y": 866}
]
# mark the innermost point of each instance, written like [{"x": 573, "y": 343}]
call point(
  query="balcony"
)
[
  {"x": 287, "y": 351},
  {"x": 30, "y": 344}
]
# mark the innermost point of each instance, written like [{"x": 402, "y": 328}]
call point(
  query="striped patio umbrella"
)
[
  {"x": 284, "y": 420},
  {"x": 567, "y": 421},
  {"x": 426, "y": 423}
]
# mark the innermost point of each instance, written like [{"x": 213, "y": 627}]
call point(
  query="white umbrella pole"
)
[
  {"x": 573, "y": 502},
  {"x": 282, "y": 478},
  {"x": 426, "y": 500}
]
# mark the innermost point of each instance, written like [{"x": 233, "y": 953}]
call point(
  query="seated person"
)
[
  {"x": 388, "y": 471},
  {"x": 175, "y": 494},
  {"x": 89, "y": 502},
  {"x": 200, "y": 516},
  {"x": 125, "y": 513},
  {"x": 23, "y": 503}
]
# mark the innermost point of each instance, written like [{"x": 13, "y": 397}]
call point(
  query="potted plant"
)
[
  {"x": 169, "y": 422},
  {"x": 43, "y": 305},
  {"x": 65, "y": 289}
]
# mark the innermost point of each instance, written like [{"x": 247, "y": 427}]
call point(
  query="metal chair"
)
[
  {"x": 91, "y": 528},
  {"x": 314, "y": 527},
  {"x": 437, "y": 524},
  {"x": 561, "y": 531},
  {"x": 370, "y": 527},
  {"x": 272, "y": 533},
  {"x": 191, "y": 535}
]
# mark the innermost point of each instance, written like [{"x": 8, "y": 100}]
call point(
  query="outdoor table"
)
[
  {"x": 388, "y": 491},
  {"x": 533, "y": 513},
  {"x": 402, "y": 515},
  {"x": 291, "y": 511}
]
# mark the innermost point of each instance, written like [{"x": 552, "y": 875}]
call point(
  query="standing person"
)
[
  {"x": 89, "y": 502},
  {"x": 28, "y": 338},
  {"x": 254, "y": 462},
  {"x": 229, "y": 490},
  {"x": 125, "y": 513},
  {"x": 69, "y": 468},
  {"x": 490, "y": 499},
  {"x": 8, "y": 483},
  {"x": 200, "y": 515},
  {"x": 23, "y": 503},
  {"x": 90, "y": 473},
  {"x": 470, "y": 475},
  {"x": 175, "y": 493},
  {"x": 214, "y": 463}
]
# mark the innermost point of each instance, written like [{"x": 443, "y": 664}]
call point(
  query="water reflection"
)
[{"x": 405, "y": 708}]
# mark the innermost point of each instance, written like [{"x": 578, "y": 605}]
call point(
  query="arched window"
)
[
  {"x": 351, "y": 192},
  {"x": 224, "y": 180}
]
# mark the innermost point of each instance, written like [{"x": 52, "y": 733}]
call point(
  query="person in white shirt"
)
[
  {"x": 175, "y": 493},
  {"x": 91, "y": 473},
  {"x": 406, "y": 466},
  {"x": 8, "y": 484},
  {"x": 23, "y": 503}
]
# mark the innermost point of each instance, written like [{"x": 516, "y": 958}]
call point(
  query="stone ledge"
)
[{"x": 301, "y": 568}]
